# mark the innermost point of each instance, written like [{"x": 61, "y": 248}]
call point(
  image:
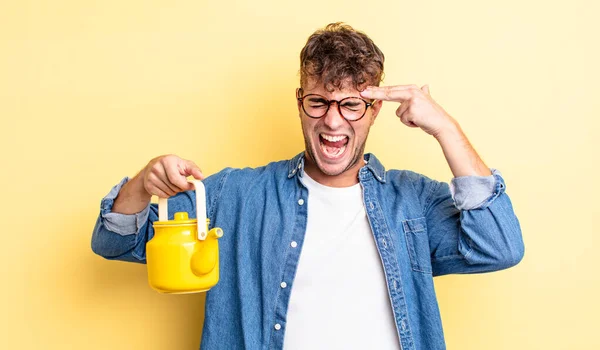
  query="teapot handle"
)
[{"x": 163, "y": 208}]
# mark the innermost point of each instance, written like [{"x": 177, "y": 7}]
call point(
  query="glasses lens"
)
[
  {"x": 352, "y": 108},
  {"x": 315, "y": 106}
]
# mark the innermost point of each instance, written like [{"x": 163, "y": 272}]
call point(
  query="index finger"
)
[{"x": 398, "y": 93}]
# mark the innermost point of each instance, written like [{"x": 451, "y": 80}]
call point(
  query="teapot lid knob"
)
[{"x": 180, "y": 216}]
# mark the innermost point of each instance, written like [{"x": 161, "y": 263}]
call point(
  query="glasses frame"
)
[{"x": 329, "y": 102}]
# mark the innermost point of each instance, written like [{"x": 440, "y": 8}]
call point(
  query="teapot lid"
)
[{"x": 180, "y": 218}]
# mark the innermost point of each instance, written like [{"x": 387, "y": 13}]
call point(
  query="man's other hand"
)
[{"x": 417, "y": 107}]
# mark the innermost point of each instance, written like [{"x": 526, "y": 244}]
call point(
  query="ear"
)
[
  {"x": 376, "y": 107},
  {"x": 298, "y": 103}
]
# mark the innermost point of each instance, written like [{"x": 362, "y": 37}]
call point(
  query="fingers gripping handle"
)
[{"x": 163, "y": 209}]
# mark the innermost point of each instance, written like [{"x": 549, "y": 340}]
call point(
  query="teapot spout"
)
[
  {"x": 215, "y": 233},
  {"x": 206, "y": 257}
]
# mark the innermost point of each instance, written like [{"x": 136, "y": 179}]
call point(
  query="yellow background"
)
[{"x": 90, "y": 91}]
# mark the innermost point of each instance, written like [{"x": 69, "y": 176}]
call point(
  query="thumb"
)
[
  {"x": 197, "y": 174},
  {"x": 192, "y": 169},
  {"x": 426, "y": 89}
]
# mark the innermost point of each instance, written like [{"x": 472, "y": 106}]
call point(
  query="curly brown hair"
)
[{"x": 338, "y": 52}]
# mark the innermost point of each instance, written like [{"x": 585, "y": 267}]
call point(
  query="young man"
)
[{"x": 329, "y": 250}]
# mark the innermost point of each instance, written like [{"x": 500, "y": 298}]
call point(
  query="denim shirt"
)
[{"x": 420, "y": 231}]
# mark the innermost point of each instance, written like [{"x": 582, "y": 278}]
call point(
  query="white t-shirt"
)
[{"x": 339, "y": 298}]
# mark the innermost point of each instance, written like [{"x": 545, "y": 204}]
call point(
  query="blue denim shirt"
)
[{"x": 419, "y": 230}]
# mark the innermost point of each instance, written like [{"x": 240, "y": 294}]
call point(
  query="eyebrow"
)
[{"x": 315, "y": 97}]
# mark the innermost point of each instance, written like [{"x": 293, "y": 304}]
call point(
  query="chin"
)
[
  {"x": 332, "y": 170},
  {"x": 332, "y": 167}
]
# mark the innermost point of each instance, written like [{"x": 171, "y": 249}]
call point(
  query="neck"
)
[{"x": 346, "y": 179}]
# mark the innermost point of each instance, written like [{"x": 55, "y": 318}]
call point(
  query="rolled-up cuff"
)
[
  {"x": 122, "y": 224},
  {"x": 476, "y": 192}
]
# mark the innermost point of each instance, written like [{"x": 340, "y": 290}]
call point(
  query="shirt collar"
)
[{"x": 372, "y": 163}]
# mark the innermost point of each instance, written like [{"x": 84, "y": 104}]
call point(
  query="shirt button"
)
[
  {"x": 294, "y": 244},
  {"x": 277, "y": 326},
  {"x": 301, "y": 201},
  {"x": 283, "y": 284}
]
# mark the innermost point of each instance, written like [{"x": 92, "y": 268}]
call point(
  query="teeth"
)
[{"x": 333, "y": 138}]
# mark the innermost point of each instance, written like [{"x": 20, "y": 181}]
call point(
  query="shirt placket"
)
[
  {"x": 293, "y": 248},
  {"x": 389, "y": 261}
]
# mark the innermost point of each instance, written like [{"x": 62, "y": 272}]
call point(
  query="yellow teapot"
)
[{"x": 183, "y": 255}]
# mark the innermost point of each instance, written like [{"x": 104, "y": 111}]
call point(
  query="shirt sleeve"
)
[
  {"x": 124, "y": 236},
  {"x": 473, "y": 192},
  {"x": 122, "y": 224},
  {"x": 481, "y": 239}
]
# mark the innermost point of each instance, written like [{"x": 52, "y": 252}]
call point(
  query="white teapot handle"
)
[{"x": 163, "y": 208}]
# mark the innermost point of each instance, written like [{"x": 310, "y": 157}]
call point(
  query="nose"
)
[{"x": 333, "y": 119}]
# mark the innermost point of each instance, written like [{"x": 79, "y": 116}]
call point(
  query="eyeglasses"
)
[{"x": 316, "y": 106}]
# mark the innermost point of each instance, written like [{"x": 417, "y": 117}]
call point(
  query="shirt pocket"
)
[{"x": 417, "y": 241}]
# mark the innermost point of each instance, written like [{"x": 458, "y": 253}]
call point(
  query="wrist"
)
[
  {"x": 137, "y": 187},
  {"x": 132, "y": 197},
  {"x": 450, "y": 131}
]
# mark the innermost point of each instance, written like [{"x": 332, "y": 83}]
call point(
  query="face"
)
[{"x": 333, "y": 144}]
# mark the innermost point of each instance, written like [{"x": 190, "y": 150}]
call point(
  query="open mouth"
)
[{"x": 333, "y": 146}]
